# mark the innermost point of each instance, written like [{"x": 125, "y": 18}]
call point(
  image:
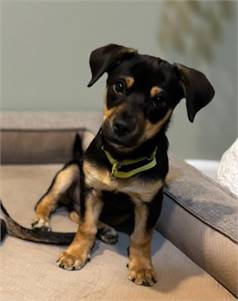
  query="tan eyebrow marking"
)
[
  {"x": 129, "y": 81},
  {"x": 155, "y": 91}
]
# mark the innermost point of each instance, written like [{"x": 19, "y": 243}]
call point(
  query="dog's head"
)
[{"x": 142, "y": 92}]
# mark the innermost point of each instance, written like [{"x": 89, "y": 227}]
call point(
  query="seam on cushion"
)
[
  {"x": 168, "y": 194},
  {"x": 205, "y": 177},
  {"x": 214, "y": 182},
  {"x": 83, "y": 129},
  {"x": 218, "y": 185}
]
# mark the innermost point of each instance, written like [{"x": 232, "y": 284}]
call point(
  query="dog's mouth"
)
[{"x": 125, "y": 141}]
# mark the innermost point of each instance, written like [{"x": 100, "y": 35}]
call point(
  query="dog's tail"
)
[
  {"x": 9, "y": 226},
  {"x": 81, "y": 143},
  {"x": 78, "y": 148}
]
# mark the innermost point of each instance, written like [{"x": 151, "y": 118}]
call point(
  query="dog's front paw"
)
[
  {"x": 42, "y": 224},
  {"x": 71, "y": 262},
  {"x": 142, "y": 275}
]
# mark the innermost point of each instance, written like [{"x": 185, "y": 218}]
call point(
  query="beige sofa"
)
[{"x": 194, "y": 250}]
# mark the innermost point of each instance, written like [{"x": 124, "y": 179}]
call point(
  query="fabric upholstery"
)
[
  {"x": 50, "y": 120},
  {"x": 39, "y": 146},
  {"x": 43, "y": 137},
  {"x": 203, "y": 197},
  {"x": 29, "y": 271},
  {"x": 210, "y": 249},
  {"x": 200, "y": 217}
]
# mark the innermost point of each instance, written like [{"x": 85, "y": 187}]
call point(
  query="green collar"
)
[{"x": 116, "y": 165}]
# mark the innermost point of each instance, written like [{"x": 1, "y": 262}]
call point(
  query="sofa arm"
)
[
  {"x": 200, "y": 217},
  {"x": 43, "y": 137}
]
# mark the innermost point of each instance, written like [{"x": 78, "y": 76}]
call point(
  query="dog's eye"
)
[
  {"x": 119, "y": 87},
  {"x": 158, "y": 99}
]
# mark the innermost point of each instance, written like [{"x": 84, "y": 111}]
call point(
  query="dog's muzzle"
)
[
  {"x": 122, "y": 130},
  {"x": 123, "y": 127}
]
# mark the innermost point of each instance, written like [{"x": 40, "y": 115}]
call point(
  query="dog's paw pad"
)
[
  {"x": 144, "y": 276},
  {"x": 41, "y": 224},
  {"x": 108, "y": 235},
  {"x": 70, "y": 262}
]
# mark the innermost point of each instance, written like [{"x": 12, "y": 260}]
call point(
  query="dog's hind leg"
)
[
  {"x": 64, "y": 181},
  {"x": 107, "y": 233}
]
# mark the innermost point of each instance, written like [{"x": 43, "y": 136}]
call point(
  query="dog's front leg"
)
[
  {"x": 140, "y": 268},
  {"x": 78, "y": 253}
]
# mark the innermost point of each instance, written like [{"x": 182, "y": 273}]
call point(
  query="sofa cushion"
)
[
  {"x": 200, "y": 218},
  {"x": 29, "y": 272},
  {"x": 192, "y": 201}
]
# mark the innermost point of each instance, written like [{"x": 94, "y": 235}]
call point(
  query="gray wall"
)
[{"x": 45, "y": 50}]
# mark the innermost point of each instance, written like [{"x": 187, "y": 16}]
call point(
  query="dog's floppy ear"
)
[
  {"x": 198, "y": 91},
  {"x": 104, "y": 58}
]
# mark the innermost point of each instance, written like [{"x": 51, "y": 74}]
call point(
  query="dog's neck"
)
[{"x": 155, "y": 148}]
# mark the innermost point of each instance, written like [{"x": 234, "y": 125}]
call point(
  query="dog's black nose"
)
[{"x": 121, "y": 127}]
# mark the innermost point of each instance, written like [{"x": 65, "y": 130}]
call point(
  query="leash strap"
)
[{"x": 116, "y": 165}]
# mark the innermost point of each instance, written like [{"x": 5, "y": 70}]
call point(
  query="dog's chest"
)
[{"x": 137, "y": 189}]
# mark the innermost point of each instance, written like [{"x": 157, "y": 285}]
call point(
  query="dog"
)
[{"x": 118, "y": 181}]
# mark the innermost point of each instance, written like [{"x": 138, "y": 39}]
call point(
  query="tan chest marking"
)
[{"x": 139, "y": 190}]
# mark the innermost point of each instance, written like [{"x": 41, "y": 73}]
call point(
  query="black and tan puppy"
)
[{"x": 120, "y": 179}]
